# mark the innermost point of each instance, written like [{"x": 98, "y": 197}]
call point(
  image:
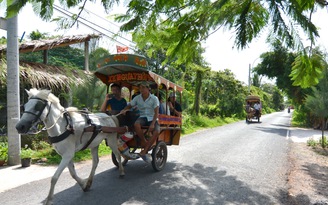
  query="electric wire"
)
[{"x": 68, "y": 13}]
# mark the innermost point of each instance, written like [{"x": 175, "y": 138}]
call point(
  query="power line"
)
[
  {"x": 101, "y": 17},
  {"x": 68, "y": 13},
  {"x": 107, "y": 22}
]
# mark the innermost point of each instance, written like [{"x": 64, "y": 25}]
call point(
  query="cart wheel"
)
[
  {"x": 246, "y": 119},
  {"x": 159, "y": 155},
  {"x": 114, "y": 160},
  {"x": 258, "y": 119}
]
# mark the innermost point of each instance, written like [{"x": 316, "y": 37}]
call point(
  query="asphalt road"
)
[{"x": 238, "y": 163}]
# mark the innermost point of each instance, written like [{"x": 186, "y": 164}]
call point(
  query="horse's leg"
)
[
  {"x": 72, "y": 171},
  {"x": 86, "y": 183},
  {"x": 119, "y": 160},
  {"x": 62, "y": 165},
  {"x": 95, "y": 161},
  {"x": 112, "y": 142}
]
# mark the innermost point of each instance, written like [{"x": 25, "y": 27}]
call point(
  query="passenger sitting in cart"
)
[
  {"x": 175, "y": 107},
  {"x": 148, "y": 105},
  {"x": 114, "y": 103},
  {"x": 249, "y": 107},
  {"x": 163, "y": 106}
]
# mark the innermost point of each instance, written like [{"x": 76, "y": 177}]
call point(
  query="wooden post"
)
[{"x": 86, "y": 54}]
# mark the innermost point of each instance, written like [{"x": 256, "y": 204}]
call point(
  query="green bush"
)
[
  {"x": 3, "y": 151},
  {"x": 300, "y": 118},
  {"x": 27, "y": 152},
  {"x": 210, "y": 111},
  {"x": 323, "y": 142},
  {"x": 41, "y": 145},
  {"x": 311, "y": 142}
]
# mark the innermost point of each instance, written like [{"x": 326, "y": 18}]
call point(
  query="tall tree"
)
[
  {"x": 199, "y": 72},
  {"x": 277, "y": 99},
  {"x": 317, "y": 102},
  {"x": 36, "y": 35},
  {"x": 278, "y": 64}
]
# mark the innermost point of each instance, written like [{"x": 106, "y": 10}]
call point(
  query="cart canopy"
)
[
  {"x": 128, "y": 70},
  {"x": 252, "y": 98}
]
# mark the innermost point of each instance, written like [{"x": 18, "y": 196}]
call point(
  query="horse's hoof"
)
[
  {"x": 122, "y": 176},
  {"x": 47, "y": 202},
  {"x": 87, "y": 188}
]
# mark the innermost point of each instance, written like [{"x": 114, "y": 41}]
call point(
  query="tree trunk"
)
[
  {"x": 197, "y": 91},
  {"x": 323, "y": 133},
  {"x": 14, "y": 142}
]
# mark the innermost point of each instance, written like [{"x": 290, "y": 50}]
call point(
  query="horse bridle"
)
[{"x": 39, "y": 109}]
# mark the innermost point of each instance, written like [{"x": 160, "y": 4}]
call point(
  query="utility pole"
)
[
  {"x": 249, "y": 79},
  {"x": 13, "y": 111}
]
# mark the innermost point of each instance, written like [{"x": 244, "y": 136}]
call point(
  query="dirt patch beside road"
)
[{"x": 308, "y": 177}]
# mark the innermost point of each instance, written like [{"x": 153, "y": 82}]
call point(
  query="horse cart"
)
[
  {"x": 71, "y": 130},
  {"x": 128, "y": 71},
  {"x": 253, "y": 108}
]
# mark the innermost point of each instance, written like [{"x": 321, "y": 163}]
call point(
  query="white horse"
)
[{"x": 66, "y": 131}]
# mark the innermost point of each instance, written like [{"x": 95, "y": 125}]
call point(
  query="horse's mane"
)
[{"x": 46, "y": 95}]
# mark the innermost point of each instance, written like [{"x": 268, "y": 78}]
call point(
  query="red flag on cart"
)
[{"x": 121, "y": 49}]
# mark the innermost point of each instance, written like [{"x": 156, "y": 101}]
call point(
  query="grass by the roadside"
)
[
  {"x": 323, "y": 142},
  {"x": 48, "y": 156},
  {"x": 192, "y": 123},
  {"x": 319, "y": 146}
]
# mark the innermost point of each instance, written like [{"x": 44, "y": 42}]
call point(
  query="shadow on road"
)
[
  {"x": 279, "y": 131},
  {"x": 176, "y": 184},
  {"x": 319, "y": 173}
]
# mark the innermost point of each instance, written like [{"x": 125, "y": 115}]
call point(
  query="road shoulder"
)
[{"x": 308, "y": 177}]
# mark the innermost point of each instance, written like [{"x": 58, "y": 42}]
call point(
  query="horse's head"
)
[{"x": 36, "y": 108}]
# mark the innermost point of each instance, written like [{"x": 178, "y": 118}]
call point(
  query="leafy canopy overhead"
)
[
  {"x": 307, "y": 68},
  {"x": 180, "y": 26},
  {"x": 194, "y": 20}
]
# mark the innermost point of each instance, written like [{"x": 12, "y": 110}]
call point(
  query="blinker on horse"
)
[{"x": 68, "y": 134}]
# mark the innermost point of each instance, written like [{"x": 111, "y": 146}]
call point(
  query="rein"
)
[
  {"x": 63, "y": 112},
  {"x": 69, "y": 129}
]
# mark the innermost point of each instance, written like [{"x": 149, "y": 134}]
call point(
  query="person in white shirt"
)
[
  {"x": 148, "y": 105},
  {"x": 257, "y": 107}
]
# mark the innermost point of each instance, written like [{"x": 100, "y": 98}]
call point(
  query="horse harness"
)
[
  {"x": 92, "y": 127},
  {"x": 70, "y": 130}
]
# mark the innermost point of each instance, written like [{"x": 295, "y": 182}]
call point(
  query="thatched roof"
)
[
  {"x": 46, "y": 44},
  {"x": 45, "y": 76}
]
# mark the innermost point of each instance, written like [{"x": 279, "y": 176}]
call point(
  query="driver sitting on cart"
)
[
  {"x": 257, "y": 108},
  {"x": 148, "y": 105}
]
